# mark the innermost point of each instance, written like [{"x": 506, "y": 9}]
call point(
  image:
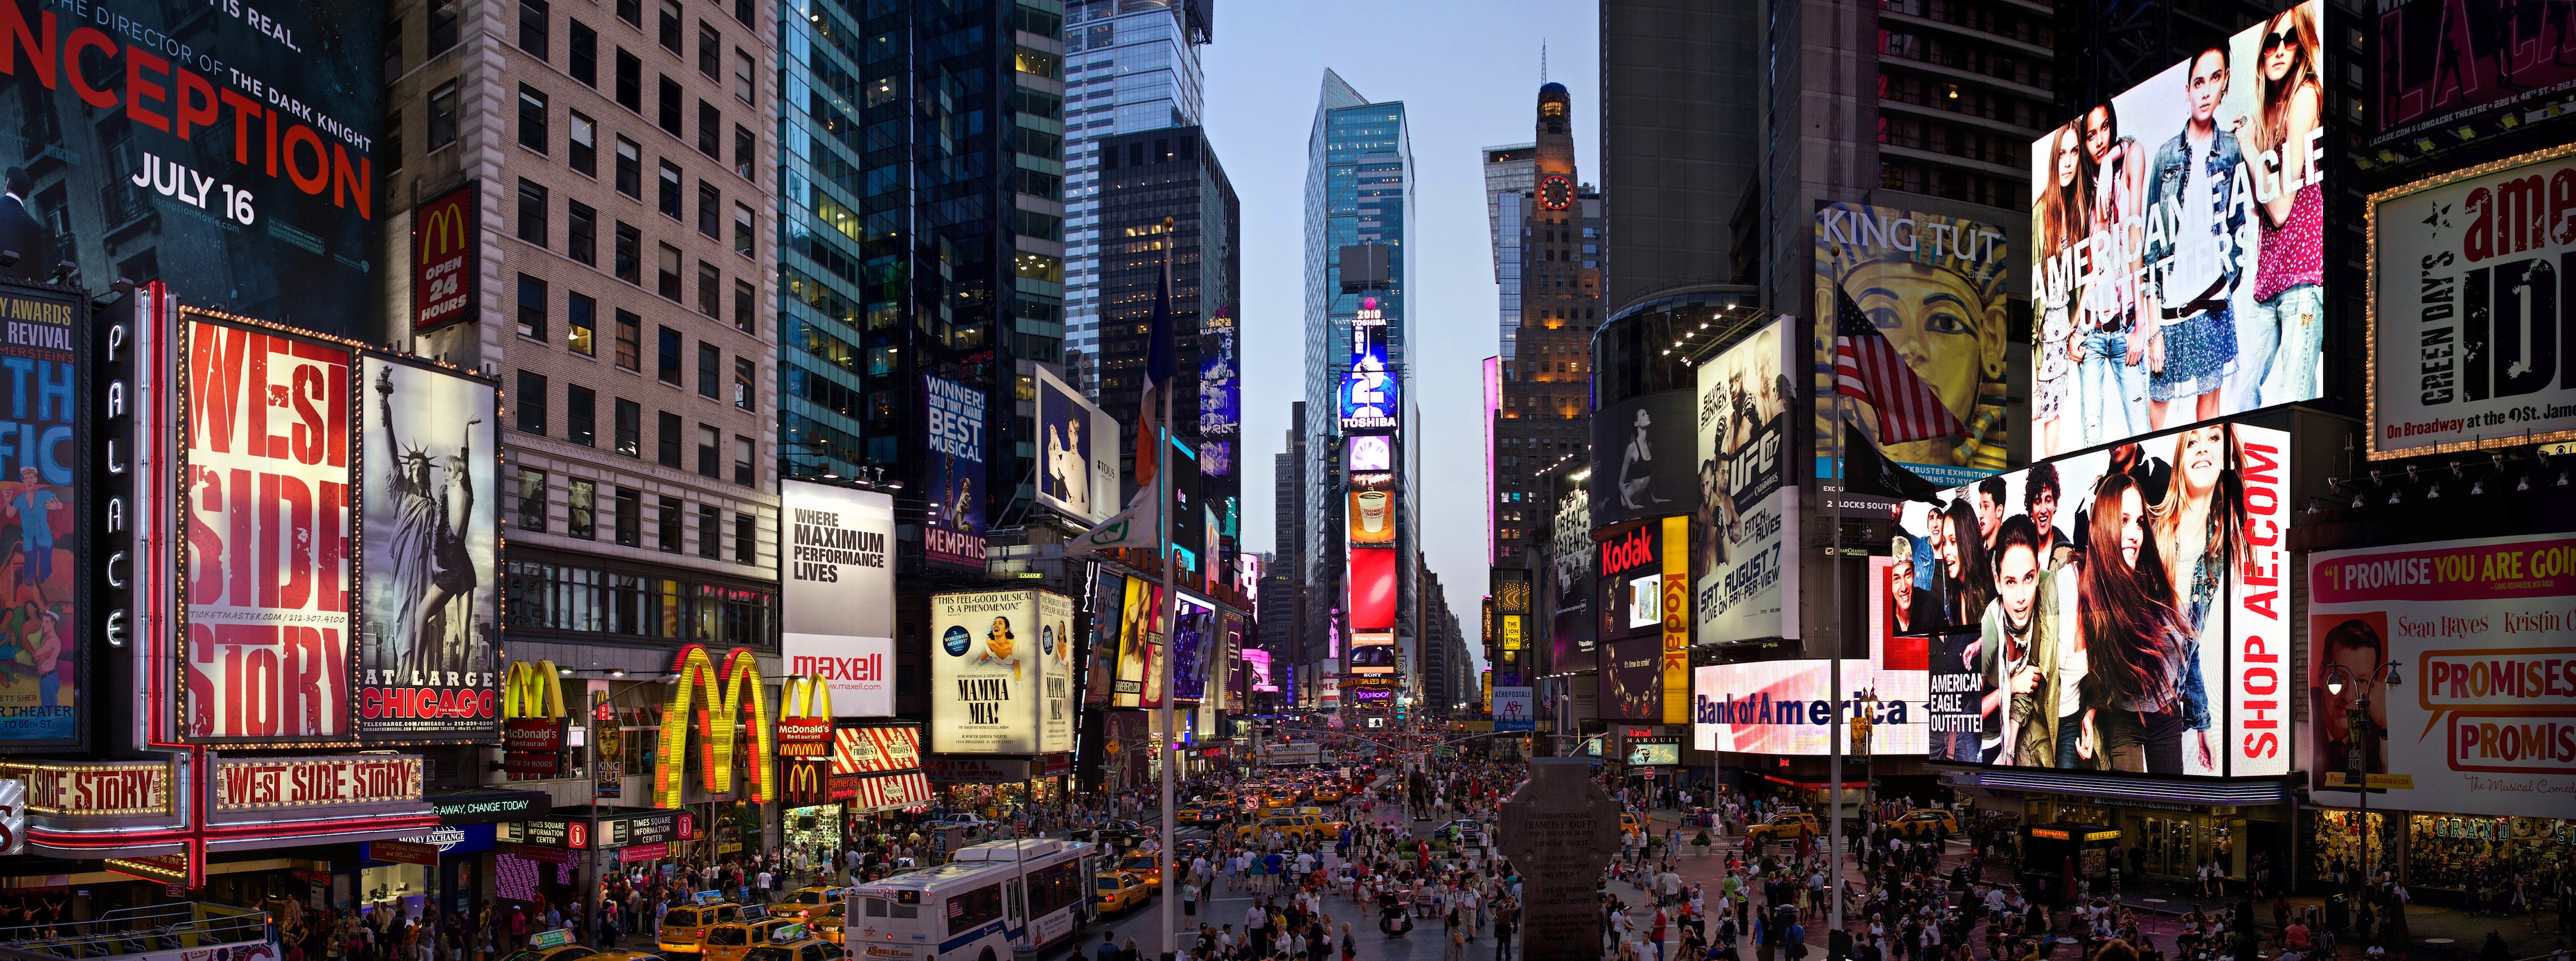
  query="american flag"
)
[{"x": 1866, "y": 366}]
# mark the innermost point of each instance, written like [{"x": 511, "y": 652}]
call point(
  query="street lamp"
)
[{"x": 2358, "y": 732}]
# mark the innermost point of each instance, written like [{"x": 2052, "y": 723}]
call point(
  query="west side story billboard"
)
[{"x": 223, "y": 148}]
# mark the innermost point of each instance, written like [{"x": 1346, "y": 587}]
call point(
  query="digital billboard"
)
[
  {"x": 1195, "y": 638},
  {"x": 1911, "y": 329},
  {"x": 1632, "y": 680},
  {"x": 2443, "y": 63},
  {"x": 952, "y": 533},
  {"x": 1641, "y": 458},
  {"x": 44, "y": 495},
  {"x": 2163, "y": 300},
  {"x": 1786, "y": 707},
  {"x": 1220, "y": 379},
  {"x": 1001, "y": 690},
  {"x": 2472, "y": 320},
  {"x": 1364, "y": 453},
  {"x": 1748, "y": 512},
  {"x": 429, "y": 647},
  {"x": 1257, "y": 661},
  {"x": 1078, "y": 450},
  {"x": 2167, "y": 544},
  {"x": 1100, "y": 672},
  {"x": 222, "y": 149},
  {"x": 1368, "y": 392},
  {"x": 2483, "y": 719},
  {"x": 1572, "y": 576},
  {"x": 1515, "y": 708},
  {"x": 1140, "y": 645},
  {"x": 1373, "y": 653},
  {"x": 1372, "y": 517},
  {"x": 837, "y": 593},
  {"x": 1373, "y": 587}
]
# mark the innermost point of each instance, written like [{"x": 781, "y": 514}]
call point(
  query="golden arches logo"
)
[
  {"x": 804, "y": 780},
  {"x": 727, "y": 694},
  {"x": 807, "y": 697},
  {"x": 442, "y": 230},
  {"x": 531, "y": 689}
]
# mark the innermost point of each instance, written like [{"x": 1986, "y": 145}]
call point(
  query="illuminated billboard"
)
[
  {"x": 1195, "y": 637},
  {"x": 1748, "y": 512},
  {"x": 1220, "y": 379},
  {"x": 1571, "y": 575},
  {"x": 429, "y": 644},
  {"x": 1912, "y": 331},
  {"x": 2445, "y": 63},
  {"x": 1373, "y": 653},
  {"x": 952, "y": 533},
  {"x": 1642, "y": 458},
  {"x": 836, "y": 597},
  {"x": 1368, "y": 391},
  {"x": 1003, "y": 672},
  {"x": 1078, "y": 450},
  {"x": 1372, "y": 579},
  {"x": 45, "y": 489},
  {"x": 1140, "y": 645},
  {"x": 1368, "y": 452},
  {"x": 2161, "y": 300},
  {"x": 1372, "y": 517},
  {"x": 1257, "y": 661}
]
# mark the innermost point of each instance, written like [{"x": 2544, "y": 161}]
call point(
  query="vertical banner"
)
[
  {"x": 267, "y": 484},
  {"x": 1677, "y": 620},
  {"x": 2259, "y": 670},
  {"x": 953, "y": 533},
  {"x": 607, "y": 748},
  {"x": 447, "y": 258},
  {"x": 1108, "y": 604},
  {"x": 837, "y": 594},
  {"x": 1747, "y": 509},
  {"x": 1055, "y": 670},
  {"x": 430, "y": 597},
  {"x": 44, "y": 682}
]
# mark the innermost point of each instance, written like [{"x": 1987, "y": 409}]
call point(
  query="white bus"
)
[{"x": 988, "y": 899}]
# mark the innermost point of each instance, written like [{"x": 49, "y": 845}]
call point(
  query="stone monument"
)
[{"x": 1560, "y": 830}]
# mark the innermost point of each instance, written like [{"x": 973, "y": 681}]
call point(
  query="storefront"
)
[
  {"x": 2167, "y": 828},
  {"x": 876, "y": 776},
  {"x": 551, "y": 860},
  {"x": 2459, "y": 860}
]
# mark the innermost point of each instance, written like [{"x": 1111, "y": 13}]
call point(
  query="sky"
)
[{"x": 1468, "y": 72}]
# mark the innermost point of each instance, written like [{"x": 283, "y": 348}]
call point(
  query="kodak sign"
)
[{"x": 715, "y": 702}]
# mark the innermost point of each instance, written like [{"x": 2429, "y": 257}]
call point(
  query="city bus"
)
[{"x": 987, "y": 900}]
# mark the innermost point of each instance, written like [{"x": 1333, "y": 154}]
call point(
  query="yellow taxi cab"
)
[
  {"x": 804, "y": 902},
  {"x": 1628, "y": 824},
  {"x": 1328, "y": 794},
  {"x": 826, "y": 921},
  {"x": 1121, "y": 890},
  {"x": 684, "y": 929},
  {"x": 1783, "y": 827},
  {"x": 1279, "y": 798},
  {"x": 1146, "y": 865},
  {"x": 557, "y": 945},
  {"x": 732, "y": 941},
  {"x": 1924, "y": 820},
  {"x": 1319, "y": 821},
  {"x": 794, "y": 941},
  {"x": 1286, "y": 824}
]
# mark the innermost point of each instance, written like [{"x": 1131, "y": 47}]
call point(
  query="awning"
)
[{"x": 891, "y": 792}]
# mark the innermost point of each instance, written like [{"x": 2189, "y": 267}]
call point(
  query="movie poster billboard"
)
[
  {"x": 1931, "y": 290},
  {"x": 45, "y": 684},
  {"x": 225, "y": 149},
  {"x": 1641, "y": 458},
  {"x": 952, "y": 533},
  {"x": 1194, "y": 638},
  {"x": 1140, "y": 645},
  {"x": 2024, "y": 559},
  {"x": 1100, "y": 674},
  {"x": 1747, "y": 509},
  {"x": 2483, "y": 719},
  {"x": 1078, "y": 450},
  {"x": 836, "y": 601},
  {"x": 992, "y": 670},
  {"x": 2444, "y": 63},
  {"x": 1572, "y": 576},
  {"x": 2471, "y": 299},
  {"x": 267, "y": 564},
  {"x": 2160, "y": 300},
  {"x": 430, "y": 536}
]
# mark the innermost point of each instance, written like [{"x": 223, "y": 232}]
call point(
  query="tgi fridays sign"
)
[{"x": 316, "y": 782}]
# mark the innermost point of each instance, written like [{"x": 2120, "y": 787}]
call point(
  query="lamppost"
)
[
  {"x": 2358, "y": 731},
  {"x": 1864, "y": 722}
]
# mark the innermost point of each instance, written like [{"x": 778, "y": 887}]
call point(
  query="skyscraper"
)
[
  {"x": 1553, "y": 230},
  {"x": 1129, "y": 67},
  {"x": 1681, "y": 134},
  {"x": 1283, "y": 589}
]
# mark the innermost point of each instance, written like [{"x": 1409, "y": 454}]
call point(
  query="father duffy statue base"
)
[{"x": 1560, "y": 830}]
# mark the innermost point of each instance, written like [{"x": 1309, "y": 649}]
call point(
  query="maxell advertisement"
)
[
  {"x": 2471, "y": 300},
  {"x": 267, "y": 562},
  {"x": 952, "y": 533},
  {"x": 2163, "y": 299},
  {"x": 2443, "y": 63},
  {"x": 1641, "y": 458},
  {"x": 430, "y": 536},
  {"x": 43, "y": 681},
  {"x": 1078, "y": 450},
  {"x": 1747, "y": 510},
  {"x": 990, "y": 669},
  {"x": 837, "y": 594},
  {"x": 1912, "y": 329},
  {"x": 2483, "y": 718},
  {"x": 221, "y": 148}
]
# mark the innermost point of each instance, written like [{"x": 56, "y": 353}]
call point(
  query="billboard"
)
[
  {"x": 1641, "y": 458},
  {"x": 2189, "y": 529},
  {"x": 1748, "y": 512},
  {"x": 1573, "y": 580},
  {"x": 1372, "y": 517},
  {"x": 1632, "y": 680},
  {"x": 837, "y": 593},
  {"x": 1372, "y": 573},
  {"x": 1956, "y": 687},
  {"x": 1079, "y": 445},
  {"x": 1257, "y": 661},
  {"x": 1220, "y": 379},
  {"x": 1100, "y": 671},
  {"x": 2483, "y": 720},
  {"x": 1001, "y": 690},
  {"x": 1140, "y": 645},
  {"x": 267, "y": 567},
  {"x": 1515, "y": 708},
  {"x": 44, "y": 494},
  {"x": 2446, "y": 62},
  {"x": 429, "y": 541},
  {"x": 1923, "y": 299},
  {"x": 2471, "y": 302},
  {"x": 1195, "y": 636},
  {"x": 447, "y": 258},
  {"x": 952, "y": 534},
  {"x": 1786, "y": 707},
  {"x": 221, "y": 149},
  {"x": 1373, "y": 653},
  {"x": 2161, "y": 301},
  {"x": 1369, "y": 400}
]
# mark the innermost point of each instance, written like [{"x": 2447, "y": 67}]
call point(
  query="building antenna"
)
[{"x": 1542, "y": 60}]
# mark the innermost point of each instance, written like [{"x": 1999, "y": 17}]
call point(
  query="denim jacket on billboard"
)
[{"x": 2168, "y": 183}]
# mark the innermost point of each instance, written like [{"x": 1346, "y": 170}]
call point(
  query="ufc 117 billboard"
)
[
  {"x": 1747, "y": 509},
  {"x": 837, "y": 594},
  {"x": 2180, "y": 240},
  {"x": 223, "y": 148},
  {"x": 2472, "y": 298}
]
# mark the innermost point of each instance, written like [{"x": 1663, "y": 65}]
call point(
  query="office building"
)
[
  {"x": 1284, "y": 593},
  {"x": 1681, "y": 134},
  {"x": 1143, "y": 179},
  {"x": 1551, "y": 303}
]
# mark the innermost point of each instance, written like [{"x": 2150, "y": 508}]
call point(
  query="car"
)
[
  {"x": 1329, "y": 794},
  {"x": 1148, "y": 865},
  {"x": 1121, "y": 891},
  {"x": 557, "y": 945},
  {"x": 1923, "y": 821},
  {"x": 1113, "y": 833},
  {"x": 1285, "y": 824},
  {"x": 1783, "y": 827},
  {"x": 827, "y": 921},
  {"x": 684, "y": 929},
  {"x": 733, "y": 941},
  {"x": 1628, "y": 823},
  {"x": 1324, "y": 822},
  {"x": 806, "y": 902},
  {"x": 795, "y": 942}
]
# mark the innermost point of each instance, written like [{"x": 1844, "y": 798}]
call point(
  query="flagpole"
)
[
  {"x": 1834, "y": 658},
  {"x": 1171, "y": 610}
]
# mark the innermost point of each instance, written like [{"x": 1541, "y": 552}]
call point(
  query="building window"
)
[
  {"x": 710, "y": 453},
  {"x": 443, "y": 15},
  {"x": 580, "y": 314},
  {"x": 630, "y": 81},
  {"x": 631, "y": 11},
  {"x": 710, "y": 290},
  {"x": 667, "y": 279},
  {"x": 532, "y": 119},
  {"x": 745, "y": 373},
  {"x": 710, "y": 130},
  {"x": 581, "y": 500},
  {"x": 742, "y": 74},
  {"x": 532, "y": 500},
  {"x": 746, "y": 539},
  {"x": 669, "y": 23},
  {"x": 668, "y": 195},
  {"x": 744, "y": 297},
  {"x": 710, "y": 210},
  {"x": 630, "y": 428},
  {"x": 563, "y": 597},
  {"x": 710, "y": 361},
  {"x": 666, "y": 101},
  {"x": 630, "y": 168},
  {"x": 580, "y": 415},
  {"x": 532, "y": 307},
  {"x": 581, "y": 51},
  {"x": 630, "y": 254},
  {"x": 666, "y": 532},
  {"x": 744, "y": 229},
  {"x": 531, "y": 402},
  {"x": 581, "y": 233},
  {"x": 630, "y": 341},
  {"x": 442, "y": 115},
  {"x": 743, "y": 146},
  {"x": 630, "y": 517},
  {"x": 743, "y": 452},
  {"x": 710, "y": 532},
  {"x": 666, "y": 446},
  {"x": 532, "y": 27},
  {"x": 532, "y": 212},
  {"x": 584, "y": 152}
]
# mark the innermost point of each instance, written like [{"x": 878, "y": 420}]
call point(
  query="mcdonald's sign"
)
[
  {"x": 532, "y": 719},
  {"x": 719, "y": 719},
  {"x": 805, "y": 721},
  {"x": 807, "y": 782},
  {"x": 447, "y": 254}
]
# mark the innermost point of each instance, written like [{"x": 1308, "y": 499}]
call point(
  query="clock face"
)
[{"x": 1555, "y": 192}]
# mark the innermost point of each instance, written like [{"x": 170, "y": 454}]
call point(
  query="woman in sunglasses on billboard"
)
[{"x": 2289, "y": 259}]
